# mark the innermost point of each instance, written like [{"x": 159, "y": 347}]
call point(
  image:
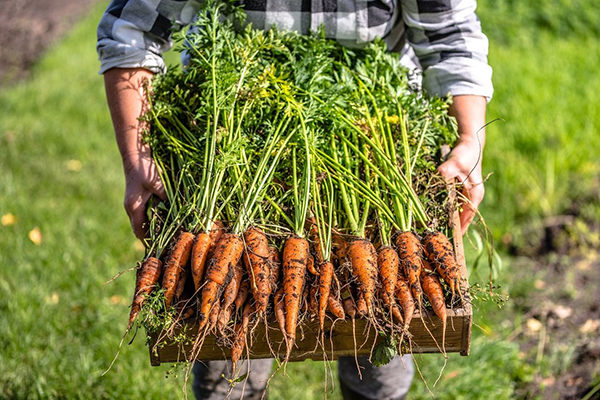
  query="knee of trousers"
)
[
  {"x": 210, "y": 379},
  {"x": 391, "y": 381}
]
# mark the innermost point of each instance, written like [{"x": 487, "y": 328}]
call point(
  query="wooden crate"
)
[{"x": 340, "y": 336}]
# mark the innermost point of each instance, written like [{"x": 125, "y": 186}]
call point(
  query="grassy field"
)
[{"x": 61, "y": 177}]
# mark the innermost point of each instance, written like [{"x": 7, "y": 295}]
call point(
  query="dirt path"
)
[{"x": 29, "y": 27}]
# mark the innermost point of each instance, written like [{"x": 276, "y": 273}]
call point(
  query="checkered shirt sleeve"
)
[{"x": 445, "y": 34}]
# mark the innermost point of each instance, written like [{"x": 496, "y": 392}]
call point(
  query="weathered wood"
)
[
  {"x": 340, "y": 338},
  {"x": 426, "y": 332}
]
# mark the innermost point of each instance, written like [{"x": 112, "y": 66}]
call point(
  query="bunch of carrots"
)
[{"x": 301, "y": 183}]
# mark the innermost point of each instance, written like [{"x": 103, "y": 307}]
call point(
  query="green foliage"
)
[
  {"x": 514, "y": 21},
  {"x": 61, "y": 325}
]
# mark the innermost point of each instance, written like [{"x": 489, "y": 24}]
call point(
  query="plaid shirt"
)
[{"x": 444, "y": 34}]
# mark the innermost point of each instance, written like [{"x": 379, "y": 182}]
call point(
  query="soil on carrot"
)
[
  {"x": 560, "y": 322},
  {"x": 30, "y": 28}
]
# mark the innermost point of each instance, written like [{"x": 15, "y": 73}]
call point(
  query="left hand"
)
[
  {"x": 464, "y": 162},
  {"x": 464, "y": 166}
]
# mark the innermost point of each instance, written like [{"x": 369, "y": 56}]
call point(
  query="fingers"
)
[
  {"x": 472, "y": 188},
  {"x": 135, "y": 205}
]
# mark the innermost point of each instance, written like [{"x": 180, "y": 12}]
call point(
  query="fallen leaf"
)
[
  {"x": 590, "y": 326},
  {"x": 533, "y": 325},
  {"x": 53, "y": 299},
  {"x": 9, "y": 219},
  {"x": 549, "y": 381},
  {"x": 539, "y": 284},
  {"x": 73, "y": 165},
  {"x": 35, "y": 236},
  {"x": 452, "y": 374},
  {"x": 117, "y": 300},
  {"x": 562, "y": 312}
]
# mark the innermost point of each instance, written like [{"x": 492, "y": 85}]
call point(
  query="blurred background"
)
[{"x": 64, "y": 232}]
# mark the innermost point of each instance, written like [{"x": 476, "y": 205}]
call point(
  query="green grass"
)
[{"x": 61, "y": 324}]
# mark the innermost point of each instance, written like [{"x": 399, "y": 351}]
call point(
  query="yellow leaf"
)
[
  {"x": 35, "y": 236},
  {"x": 73, "y": 165},
  {"x": 9, "y": 219}
]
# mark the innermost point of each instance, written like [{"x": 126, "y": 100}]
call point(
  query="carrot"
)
[
  {"x": 411, "y": 256},
  {"x": 274, "y": 266},
  {"x": 242, "y": 294},
  {"x": 363, "y": 258},
  {"x": 232, "y": 288},
  {"x": 181, "y": 283},
  {"x": 325, "y": 279},
  {"x": 313, "y": 298},
  {"x": 279, "y": 306},
  {"x": 256, "y": 258},
  {"x": 403, "y": 293},
  {"x": 146, "y": 279},
  {"x": 304, "y": 300},
  {"x": 440, "y": 252},
  {"x": 216, "y": 231},
  {"x": 295, "y": 258},
  {"x": 313, "y": 236},
  {"x": 388, "y": 262},
  {"x": 361, "y": 307},
  {"x": 434, "y": 292},
  {"x": 335, "y": 307},
  {"x": 178, "y": 258},
  {"x": 214, "y": 316},
  {"x": 241, "y": 331},
  {"x": 310, "y": 266},
  {"x": 227, "y": 254},
  {"x": 200, "y": 250}
]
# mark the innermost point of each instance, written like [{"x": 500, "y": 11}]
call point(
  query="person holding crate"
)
[{"x": 440, "y": 38}]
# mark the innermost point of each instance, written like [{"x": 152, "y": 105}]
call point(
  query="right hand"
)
[{"x": 141, "y": 181}]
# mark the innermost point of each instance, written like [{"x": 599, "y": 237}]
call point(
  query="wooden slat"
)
[{"x": 340, "y": 338}]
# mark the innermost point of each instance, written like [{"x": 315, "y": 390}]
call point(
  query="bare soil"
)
[{"x": 29, "y": 27}]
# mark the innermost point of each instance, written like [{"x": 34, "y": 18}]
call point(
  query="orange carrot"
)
[
  {"x": 403, "y": 293},
  {"x": 325, "y": 279},
  {"x": 363, "y": 258},
  {"x": 178, "y": 258},
  {"x": 242, "y": 294},
  {"x": 274, "y": 266},
  {"x": 313, "y": 298},
  {"x": 295, "y": 258},
  {"x": 256, "y": 258},
  {"x": 239, "y": 342},
  {"x": 434, "y": 292},
  {"x": 200, "y": 250},
  {"x": 279, "y": 306},
  {"x": 181, "y": 283},
  {"x": 440, "y": 252},
  {"x": 313, "y": 236},
  {"x": 216, "y": 231},
  {"x": 214, "y": 316},
  {"x": 227, "y": 254},
  {"x": 232, "y": 288},
  {"x": 411, "y": 255},
  {"x": 388, "y": 262},
  {"x": 335, "y": 307},
  {"x": 310, "y": 266},
  {"x": 146, "y": 279}
]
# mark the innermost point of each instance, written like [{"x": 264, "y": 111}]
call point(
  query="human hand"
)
[
  {"x": 464, "y": 165},
  {"x": 141, "y": 181}
]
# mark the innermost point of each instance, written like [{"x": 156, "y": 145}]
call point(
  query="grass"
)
[{"x": 61, "y": 173}]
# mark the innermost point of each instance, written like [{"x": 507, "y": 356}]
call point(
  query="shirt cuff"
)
[
  {"x": 118, "y": 55},
  {"x": 459, "y": 76}
]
